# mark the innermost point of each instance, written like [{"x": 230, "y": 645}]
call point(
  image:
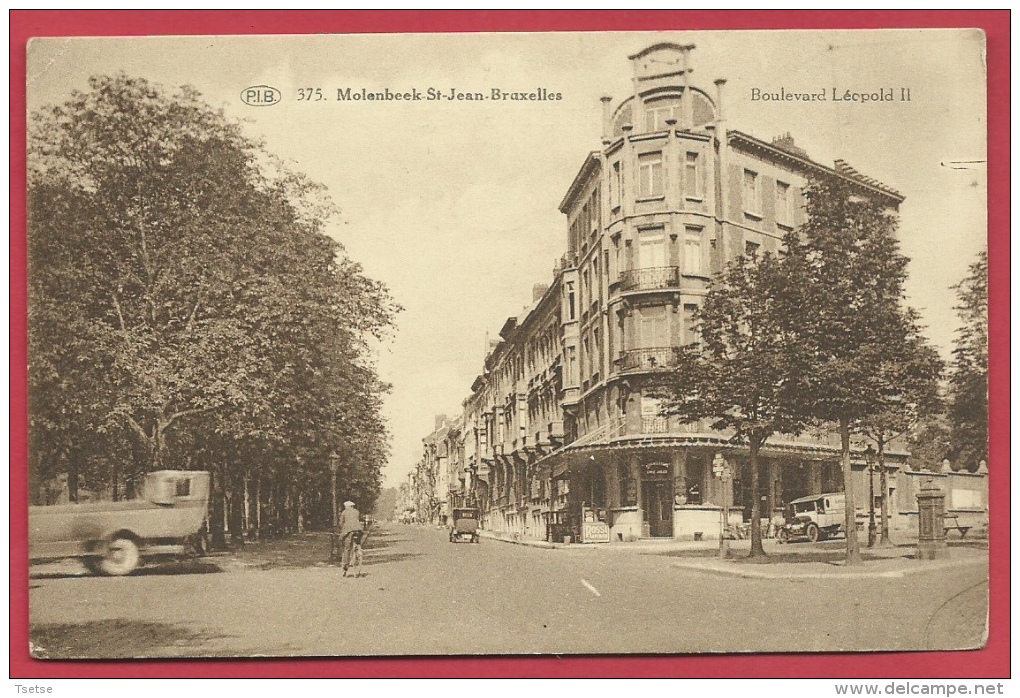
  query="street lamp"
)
[
  {"x": 334, "y": 466},
  {"x": 869, "y": 457},
  {"x": 722, "y": 471}
]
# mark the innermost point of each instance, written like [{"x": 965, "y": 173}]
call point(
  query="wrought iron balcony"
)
[
  {"x": 651, "y": 359},
  {"x": 655, "y": 425},
  {"x": 650, "y": 279}
]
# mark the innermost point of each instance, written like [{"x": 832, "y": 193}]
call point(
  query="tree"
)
[
  {"x": 186, "y": 299},
  {"x": 929, "y": 440},
  {"x": 740, "y": 373},
  {"x": 910, "y": 392},
  {"x": 853, "y": 321},
  {"x": 968, "y": 381}
]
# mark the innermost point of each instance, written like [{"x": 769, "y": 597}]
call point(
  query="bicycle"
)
[{"x": 358, "y": 539}]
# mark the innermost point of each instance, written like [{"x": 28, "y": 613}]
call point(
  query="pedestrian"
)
[{"x": 350, "y": 526}]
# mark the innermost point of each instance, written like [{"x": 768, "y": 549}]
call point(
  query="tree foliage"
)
[
  {"x": 858, "y": 334},
  {"x": 968, "y": 381},
  {"x": 187, "y": 308},
  {"x": 742, "y": 372},
  {"x": 910, "y": 378}
]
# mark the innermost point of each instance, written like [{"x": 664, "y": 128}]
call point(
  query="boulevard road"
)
[{"x": 422, "y": 595}]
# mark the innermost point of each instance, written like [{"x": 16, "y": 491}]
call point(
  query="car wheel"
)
[
  {"x": 93, "y": 564},
  {"x": 813, "y": 533},
  {"x": 121, "y": 558},
  {"x": 783, "y": 536}
]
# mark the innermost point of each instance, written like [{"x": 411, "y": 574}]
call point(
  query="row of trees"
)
[
  {"x": 820, "y": 335},
  {"x": 188, "y": 310}
]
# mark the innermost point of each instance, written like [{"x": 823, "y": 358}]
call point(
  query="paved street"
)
[{"x": 422, "y": 595}]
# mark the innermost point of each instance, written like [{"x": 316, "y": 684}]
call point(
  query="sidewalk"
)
[{"x": 789, "y": 561}]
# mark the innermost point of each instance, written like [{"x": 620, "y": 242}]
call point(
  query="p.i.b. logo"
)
[{"x": 261, "y": 96}]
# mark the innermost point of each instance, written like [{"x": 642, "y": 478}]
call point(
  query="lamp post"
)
[
  {"x": 334, "y": 466},
  {"x": 869, "y": 457},
  {"x": 722, "y": 471}
]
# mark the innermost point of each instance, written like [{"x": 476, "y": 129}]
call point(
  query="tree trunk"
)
[
  {"x": 72, "y": 476},
  {"x": 885, "y": 540},
  {"x": 299, "y": 514},
  {"x": 853, "y": 546},
  {"x": 757, "y": 550},
  {"x": 219, "y": 537},
  {"x": 258, "y": 507},
  {"x": 236, "y": 521},
  {"x": 247, "y": 506},
  {"x": 156, "y": 446},
  {"x": 130, "y": 490}
]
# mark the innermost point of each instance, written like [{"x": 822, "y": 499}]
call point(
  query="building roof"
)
[
  {"x": 842, "y": 170},
  {"x": 588, "y": 168}
]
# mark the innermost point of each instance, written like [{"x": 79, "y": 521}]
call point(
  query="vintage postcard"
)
[{"x": 508, "y": 344}]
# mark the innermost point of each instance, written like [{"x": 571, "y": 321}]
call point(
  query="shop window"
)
[{"x": 628, "y": 487}]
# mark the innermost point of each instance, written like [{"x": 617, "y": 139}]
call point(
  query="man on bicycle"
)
[{"x": 350, "y": 526}]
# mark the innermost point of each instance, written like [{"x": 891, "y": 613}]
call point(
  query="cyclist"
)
[{"x": 350, "y": 526}]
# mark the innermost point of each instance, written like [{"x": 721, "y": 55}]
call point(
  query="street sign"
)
[{"x": 719, "y": 467}]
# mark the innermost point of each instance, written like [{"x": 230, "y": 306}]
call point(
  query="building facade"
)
[{"x": 562, "y": 433}]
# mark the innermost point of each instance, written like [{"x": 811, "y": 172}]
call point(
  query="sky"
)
[{"x": 454, "y": 204}]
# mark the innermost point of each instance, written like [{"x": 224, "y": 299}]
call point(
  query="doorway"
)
[{"x": 657, "y": 509}]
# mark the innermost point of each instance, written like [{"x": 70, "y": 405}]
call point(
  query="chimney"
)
[
  {"x": 719, "y": 98},
  {"x": 785, "y": 142},
  {"x": 537, "y": 291},
  {"x": 607, "y": 115},
  {"x": 688, "y": 98},
  {"x": 440, "y": 421}
]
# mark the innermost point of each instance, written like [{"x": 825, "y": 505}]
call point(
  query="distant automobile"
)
[
  {"x": 815, "y": 518},
  {"x": 464, "y": 525}
]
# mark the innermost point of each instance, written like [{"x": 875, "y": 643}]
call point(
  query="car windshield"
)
[{"x": 801, "y": 507}]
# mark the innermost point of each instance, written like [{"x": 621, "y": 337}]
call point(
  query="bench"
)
[{"x": 952, "y": 522}]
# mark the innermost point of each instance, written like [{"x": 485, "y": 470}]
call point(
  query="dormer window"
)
[{"x": 660, "y": 111}]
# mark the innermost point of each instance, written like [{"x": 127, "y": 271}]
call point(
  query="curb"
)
[
  {"x": 837, "y": 573},
  {"x": 532, "y": 543}
]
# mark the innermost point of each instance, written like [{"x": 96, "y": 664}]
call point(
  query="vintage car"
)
[
  {"x": 113, "y": 537},
  {"x": 464, "y": 525},
  {"x": 816, "y": 517}
]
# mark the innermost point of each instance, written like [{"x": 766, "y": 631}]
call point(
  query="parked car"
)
[
  {"x": 113, "y": 537},
  {"x": 464, "y": 525},
  {"x": 816, "y": 517}
]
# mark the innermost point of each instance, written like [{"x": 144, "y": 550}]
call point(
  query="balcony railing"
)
[
  {"x": 655, "y": 425},
  {"x": 650, "y": 359},
  {"x": 650, "y": 279}
]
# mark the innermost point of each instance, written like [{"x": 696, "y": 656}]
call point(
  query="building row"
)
[{"x": 562, "y": 433}]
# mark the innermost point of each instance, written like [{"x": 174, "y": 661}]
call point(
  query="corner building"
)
[{"x": 562, "y": 432}]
